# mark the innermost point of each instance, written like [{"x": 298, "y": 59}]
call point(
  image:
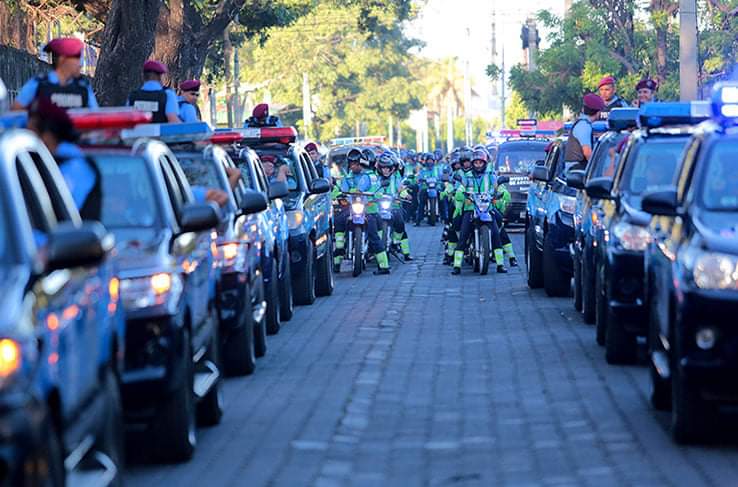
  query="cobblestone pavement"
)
[{"x": 421, "y": 378}]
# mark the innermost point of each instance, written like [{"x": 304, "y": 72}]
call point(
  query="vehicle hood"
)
[
  {"x": 719, "y": 230},
  {"x": 633, "y": 214},
  {"x": 141, "y": 249}
]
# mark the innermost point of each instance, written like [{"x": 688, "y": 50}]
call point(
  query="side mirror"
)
[
  {"x": 71, "y": 246},
  {"x": 599, "y": 188},
  {"x": 253, "y": 202},
  {"x": 320, "y": 186},
  {"x": 503, "y": 180},
  {"x": 540, "y": 162},
  {"x": 575, "y": 179},
  {"x": 660, "y": 202},
  {"x": 539, "y": 173},
  {"x": 278, "y": 189},
  {"x": 199, "y": 217}
]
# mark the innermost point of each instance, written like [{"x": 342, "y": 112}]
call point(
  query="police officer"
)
[
  {"x": 581, "y": 140},
  {"x": 606, "y": 89},
  {"x": 55, "y": 129},
  {"x": 323, "y": 170},
  {"x": 427, "y": 171},
  {"x": 646, "y": 89},
  {"x": 390, "y": 183},
  {"x": 63, "y": 85},
  {"x": 153, "y": 97},
  {"x": 189, "y": 91},
  {"x": 260, "y": 117},
  {"x": 463, "y": 165},
  {"x": 360, "y": 179}
]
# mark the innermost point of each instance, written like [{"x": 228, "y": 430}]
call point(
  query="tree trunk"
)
[
  {"x": 15, "y": 30},
  {"x": 227, "y": 52},
  {"x": 127, "y": 41}
]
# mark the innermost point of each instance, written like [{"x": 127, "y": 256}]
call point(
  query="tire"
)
[
  {"x": 432, "y": 212},
  {"x": 260, "y": 328},
  {"x": 588, "y": 293},
  {"x": 660, "y": 391},
  {"x": 175, "y": 427},
  {"x": 51, "y": 463},
  {"x": 304, "y": 284},
  {"x": 691, "y": 416},
  {"x": 324, "y": 279},
  {"x": 533, "y": 262},
  {"x": 239, "y": 357},
  {"x": 621, "y": 347},
  {"x": 110, "y": 436},
  {"x": 358, "y": 258},
  {"x": 600, "y": 310},
  {"x": 273, "y": 318},
  {"x": 555, "y": 282},
  {"x": 210, "y": 407},
  {"x": 577, "y": 285},
  {"x": 286, "y": 297},
  {"x": 485, "y": 244}
]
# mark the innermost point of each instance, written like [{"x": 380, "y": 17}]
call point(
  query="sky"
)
[{"x": 442, "y": 25}]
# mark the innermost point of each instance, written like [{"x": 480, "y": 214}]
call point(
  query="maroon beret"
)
[
  {"x": 647, "y": 84},
  {"x": 311, "y": 146},
  {"x": 593, "y": 102},
  {"x": 154, "y": 67},
  {"x": 261, "y": 111},
  {"x": 65, "y": 46},
  {"x": 607, "y": 80},
  {"x": 190, "y": 85}
]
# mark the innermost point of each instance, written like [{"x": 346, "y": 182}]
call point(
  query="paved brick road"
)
[{"x": 421, "y": 378}]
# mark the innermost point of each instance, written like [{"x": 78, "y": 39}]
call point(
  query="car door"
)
[{"x": 317, "y": 205}]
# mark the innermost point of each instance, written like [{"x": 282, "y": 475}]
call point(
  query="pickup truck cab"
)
[{"x": 60, "y": 330}]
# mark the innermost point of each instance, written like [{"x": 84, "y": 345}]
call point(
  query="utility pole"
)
[
  {"x": 389, "y": 131},
  {"x": 237, "y": 109},
  {"x": 532, "y": 32},
  {"x": 467, "y": 93},
  {"x": 688, "y": 67},
  {"x": 494, "y": 47},
  {"x": 399, "y": 133},
  {"x": 227, "y": 51},
  {"x": 502, "y": 95},
  {"x": 307, "y": 114}
]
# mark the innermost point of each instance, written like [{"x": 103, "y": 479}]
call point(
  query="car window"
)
[
  {"x": 649, "y": 166},
  {"x": 128, "y": 195},
  {"x": 60, "y": 209},
  {"x": 199, "y": 172},
  {"x": 38, "y": 203},
  {"x": 719, "y": 190},
  {"x": 181, "y": 180},
  {"x": 606, "y": 158},
  {"x": 272, "y": 161},
  {"x": 519, "y": 158},
  {"x": 175, "y": 196}
]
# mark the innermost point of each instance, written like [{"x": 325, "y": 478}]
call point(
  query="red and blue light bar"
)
[
  {"x": 108, "y": 118},
  {"x": 171, "y": 133},
  {"x": 281, "y": 135}
]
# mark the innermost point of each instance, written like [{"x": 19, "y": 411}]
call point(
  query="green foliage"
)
[{"x": 515, "y": 110}]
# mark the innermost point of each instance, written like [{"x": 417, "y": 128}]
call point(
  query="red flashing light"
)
[
  {"x": 226, "y": 138},
  {"x": 109, "y": 119},
  {"x": 284, "y": 135}
]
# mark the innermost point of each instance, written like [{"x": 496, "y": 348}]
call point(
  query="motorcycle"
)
[
  {"x": 480, "y": 249},
  {"x": 431, "y": 205},
  {"x": 357, "y": 246}
]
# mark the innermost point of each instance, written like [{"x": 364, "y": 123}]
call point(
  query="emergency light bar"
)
[
  {"x": 170, "y": 132},
  {"x": 281, "y": 135},
  {"x": 725, "y": 103},
  {"x": 659, "y": 114},
  {"x": 598, "y": 127},
  {"x": 226, "y": 137},
  {"x": 108, "y": 118},
  {"x": 369, "y": 140},
  {"x": 623, "y": 119}
]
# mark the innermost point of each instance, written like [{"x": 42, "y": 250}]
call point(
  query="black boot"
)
[
  {"x": 408, "y": 258},
  {"x": 456, "y": 271},
  {"x": 382, "y": 271},
  {"x": 501, "y": 269},
  {"x": 446, "y": 259},
  {"x": 513, "y": 262}
]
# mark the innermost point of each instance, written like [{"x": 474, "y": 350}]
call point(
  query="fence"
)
[{"x": 16, "y": 67}]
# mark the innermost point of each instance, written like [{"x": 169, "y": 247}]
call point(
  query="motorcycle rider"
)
[
  {"x": 153, "y": 97},
  {"x": 465, "y": 156},
  {"x": 502, "y": 199},
  {"x": 477, "y": 181},
  {"x": 360, "y": 180},
  {"x": 63, "y": 85},
  {"x": 391, "y": 184},
  {"x": 427, "y": 171}
]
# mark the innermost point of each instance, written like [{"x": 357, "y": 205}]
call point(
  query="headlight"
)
[
  {"x": 10, "y": 358},
  {"x": 144, "y": 292},
  {"x": 357, "y": 207},
  {"x": 632, "y": 237},
  {"x": 385, "y": 204},
  {"x": 716, "y": 271},
  {"x": 295, "y": 219},
  {"x": 568, "y": 204},
  {"x": 229, "y": 253}
]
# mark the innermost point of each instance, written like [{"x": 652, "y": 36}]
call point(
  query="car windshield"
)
[
  {"x": 720, "y": 180},
  {"x": 199, "y": 172},
  {"x": 651, "y": 166},
  {"x": 606, "y": 157},
  {"x": 128, "y": 196},
  {"x": 520, "y": 157},
  {"x": 276, "y": 163}
]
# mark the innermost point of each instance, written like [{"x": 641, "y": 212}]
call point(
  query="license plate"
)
[{"x": 522, "y": 214}]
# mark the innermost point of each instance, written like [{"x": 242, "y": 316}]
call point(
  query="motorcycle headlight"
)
[
  {"x": 295, "y": 219},
  {"x": 385, "y": 204},
  {"x": 716, "y": 271},
  {"x": 568, "y": 204},
  {"x": 357, "y": 207},
  {"x": 632, "y": 237},
  {"x": 144, "y": 292}
]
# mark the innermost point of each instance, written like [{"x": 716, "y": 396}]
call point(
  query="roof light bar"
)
[
  {"x": 623, "y": 119},
  {"x": 226, "y": 138},
  {"x": 724, "y": 103},
  {"x": 170, "y": 132},
  {"x": 108, "y": 118},
  {"x": 659, "y": 114}
]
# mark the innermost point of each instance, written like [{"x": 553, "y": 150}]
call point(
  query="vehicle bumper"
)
[
  {"x": 22, "y": 444},
  {"x": 625, "y": 285},
  {"x": 561, "y": 233},
  {"x": 713, "y": 370}
]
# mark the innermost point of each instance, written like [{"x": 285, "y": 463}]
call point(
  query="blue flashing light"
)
[
  {"x": 170, "y": 132},
  {"x": 14, "y": 120},
  {"x": 724, "y": 103},
  {"x": 659, "y": 114},
  {"x": 623, "y": 119}
]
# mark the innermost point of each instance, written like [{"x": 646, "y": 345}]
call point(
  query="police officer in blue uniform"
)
[
  {"x": 581, "y": 140},
  {"x": 153, "y": 97},
  {"x": 189, "y": 91},
  {"x": 63, "y": 85},
  {"x": 54, "y": 127},
  {"x": 323, "y": 170}
]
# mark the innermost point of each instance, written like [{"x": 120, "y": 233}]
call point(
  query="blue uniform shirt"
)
[
  {"x": 78, "y": 174},
  {"x": 172, "y": 107},
  {"x": 28, "y": 92},
  {"x": 361, "y": 182},
  {"x": 583, "y": 131},
  {"x": 200, "y": 193},
  {"x": 187, "y": 112}
]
